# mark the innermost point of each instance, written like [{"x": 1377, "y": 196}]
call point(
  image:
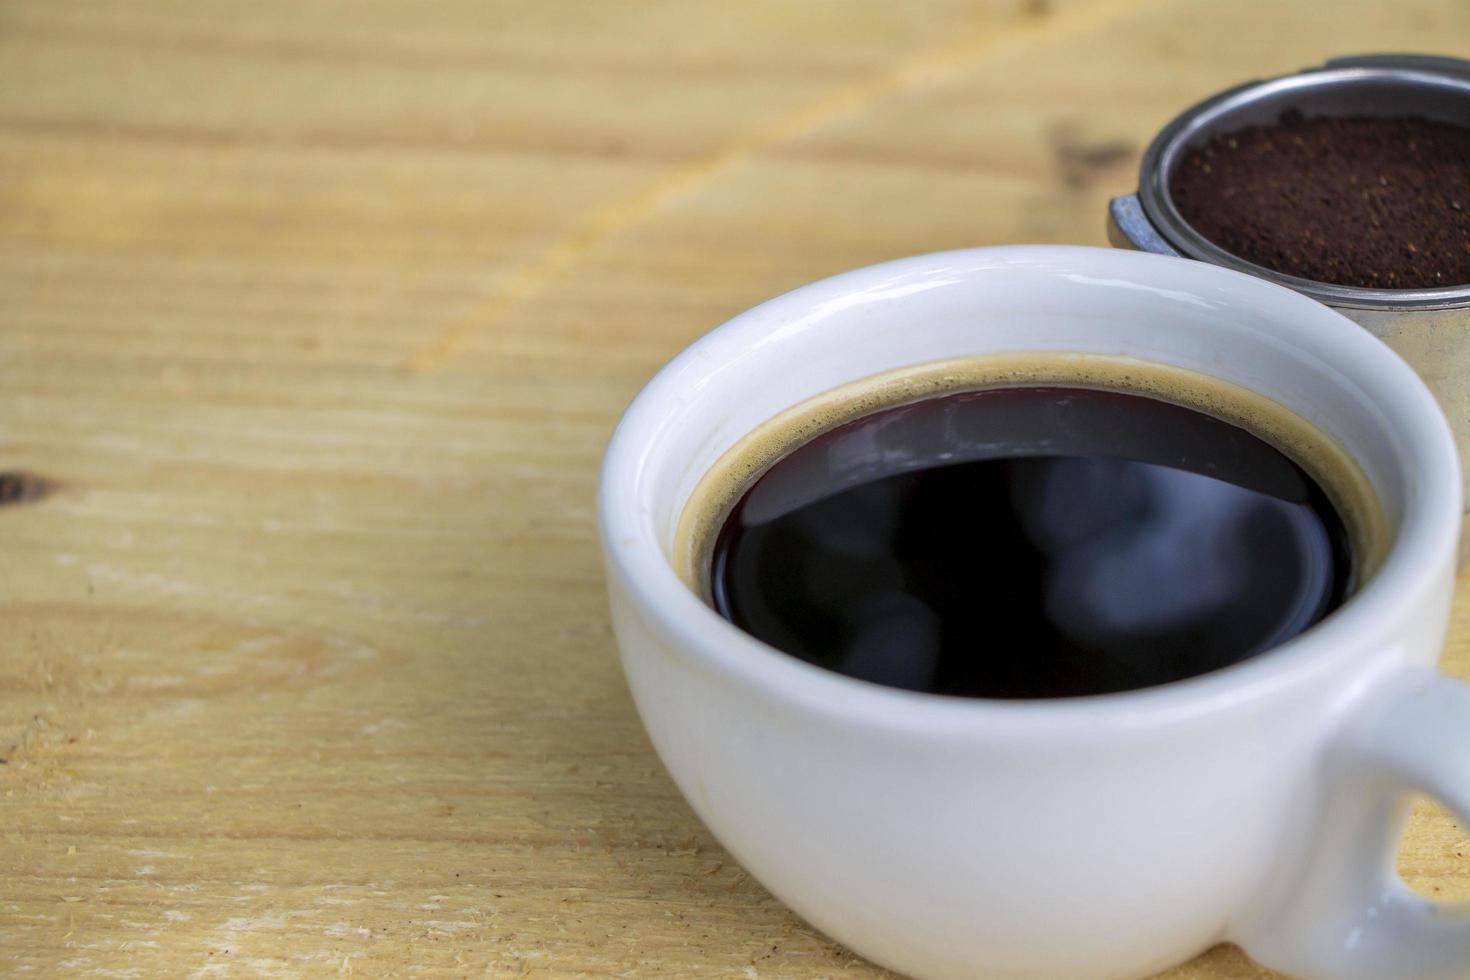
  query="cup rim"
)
[{"x": 1422, "y": 548}]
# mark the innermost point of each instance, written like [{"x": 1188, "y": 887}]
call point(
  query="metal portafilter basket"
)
[{"x": 1429, "y": 328}]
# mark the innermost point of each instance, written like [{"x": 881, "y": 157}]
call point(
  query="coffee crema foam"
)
[{"x": 722, "y": 486}]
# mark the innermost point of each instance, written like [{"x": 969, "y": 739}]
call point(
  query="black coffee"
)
[{"x": 1031, "y": 543}]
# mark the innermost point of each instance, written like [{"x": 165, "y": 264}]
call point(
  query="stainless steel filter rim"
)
[{"x": 1375, "y": 85}]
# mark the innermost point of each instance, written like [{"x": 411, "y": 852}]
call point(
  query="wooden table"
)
[{"x": 314, "y": 319}]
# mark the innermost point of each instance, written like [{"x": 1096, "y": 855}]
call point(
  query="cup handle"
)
[{"x": 1345, "y": 913}]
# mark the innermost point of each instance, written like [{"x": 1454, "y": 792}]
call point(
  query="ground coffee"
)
[{"x": 1359, "y": 201}]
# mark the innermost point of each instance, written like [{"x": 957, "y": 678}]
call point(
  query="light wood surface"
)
[{"x": 314, "y": 319}]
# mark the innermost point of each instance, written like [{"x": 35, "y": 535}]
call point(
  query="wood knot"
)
[
  {"x": 1079, "y": 161},
  {"x": 19, "y": 487}
]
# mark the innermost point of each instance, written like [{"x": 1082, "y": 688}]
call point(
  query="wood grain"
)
[{"x": 314, "y": 319}]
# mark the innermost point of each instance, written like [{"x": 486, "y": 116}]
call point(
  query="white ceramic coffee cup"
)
[{"x": 1105, "y": 836}]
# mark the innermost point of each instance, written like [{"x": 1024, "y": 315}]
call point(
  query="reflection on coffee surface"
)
[{"x": 1030, "y": 541}]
